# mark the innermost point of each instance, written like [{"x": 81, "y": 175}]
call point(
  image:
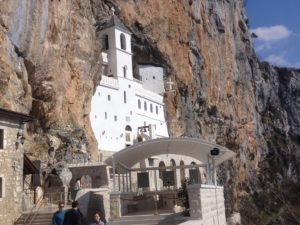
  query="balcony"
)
[{"x": 111, "y": 82}]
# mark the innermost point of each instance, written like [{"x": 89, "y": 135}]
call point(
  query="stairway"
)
[
  {"x": 164, "y": 219},
  {"x": 41, "y": 218}
]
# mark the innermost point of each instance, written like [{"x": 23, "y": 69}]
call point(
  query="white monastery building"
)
[{"x": 125, "y": 106}]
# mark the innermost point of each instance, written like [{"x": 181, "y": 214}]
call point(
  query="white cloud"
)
[
  {"x": 280, "y": 60},
  {"x": 277, "y": 60},
  {"x": 273, "y": 33}
]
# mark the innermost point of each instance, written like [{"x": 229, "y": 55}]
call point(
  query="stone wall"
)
[
  {"x": 11, "y": 172},
  {"x": 98, "y": 174},
  {"x": 207, "y": 203}
]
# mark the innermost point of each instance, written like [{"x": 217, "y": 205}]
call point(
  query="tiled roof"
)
[{"x": 114, "y": 21}]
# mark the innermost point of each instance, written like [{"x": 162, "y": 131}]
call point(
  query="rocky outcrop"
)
[{"x": 50, "y": 62}]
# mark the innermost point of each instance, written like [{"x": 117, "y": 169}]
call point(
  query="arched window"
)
[
  {"x": 151, "y": 108},
  {"x": 139, "y": 104},
  {"x": 128, "y": 128},
  {"x": 123, "y": 41},
  {"x": 182, "y": 171},
  {"x": 145, "y": 106},
  {"x": 105, "y": 42},
  {"x": 156, "y": 109},
  {"x": 128, "y": 133}
]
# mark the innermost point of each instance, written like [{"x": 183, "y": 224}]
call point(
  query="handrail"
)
[{"x": 32, "y": 212}]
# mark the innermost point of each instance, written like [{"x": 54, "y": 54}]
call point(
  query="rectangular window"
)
[
  {"x": 105, "y": 115},
  {"x": 1, "y": 187},
  {"x": 108, "y": 97},
  {"x": 124, "y": 96},
  {"x": 1, "y": 138},
  {"x": 116, "y": 118}
]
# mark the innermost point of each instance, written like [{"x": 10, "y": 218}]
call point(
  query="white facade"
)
[{"x": 121, "y": 103}]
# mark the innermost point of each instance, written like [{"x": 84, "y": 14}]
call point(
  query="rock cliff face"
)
[{"x": 50, "y": 62}]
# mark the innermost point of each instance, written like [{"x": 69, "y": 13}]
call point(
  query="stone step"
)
[{"x": 167, "y": 219}]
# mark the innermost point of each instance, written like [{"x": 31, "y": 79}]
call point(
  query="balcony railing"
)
[{"x": 109, "y": 82}]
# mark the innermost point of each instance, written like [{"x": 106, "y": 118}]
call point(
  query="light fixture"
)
[
  {"x": 21, "y": 137},
  {"x": 215, "y": 151}
]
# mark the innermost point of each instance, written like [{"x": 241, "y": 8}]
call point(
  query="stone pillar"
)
[
  {"x": 115, "y": 205},
  {"x": 207, "y": 204}
]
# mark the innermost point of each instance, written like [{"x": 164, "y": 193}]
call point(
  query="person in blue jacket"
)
[{"x": 58, "y": 216}]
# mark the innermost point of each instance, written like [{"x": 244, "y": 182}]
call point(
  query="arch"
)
[
  {"x": 182, "y": 171},
  {"x": 123, "y": 41},
  {"x": 128, "y": 128},
  {"x": 161, "y": 166},
  {"x": 105, "y": 42},
  {"x": 128, "y": 131},
  {"x": 195, "y": 176},
  {"x": 173, "y": 163},
  {"x": 85, "y": 181},
  {"x": 194, "y": 147}
]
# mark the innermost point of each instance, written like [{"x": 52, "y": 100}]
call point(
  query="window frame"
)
[
  {"x": 123, "y": 41},
  {"x": 2, "y": 189},
  {"x": 2, "y": 134}
]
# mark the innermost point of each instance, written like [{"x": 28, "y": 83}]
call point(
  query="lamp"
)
[
  {"x": 215, "y": 151},
  {"x": 21, "y": 137}
]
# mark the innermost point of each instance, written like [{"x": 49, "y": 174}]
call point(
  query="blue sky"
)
[{"x": 277, "y": 25}]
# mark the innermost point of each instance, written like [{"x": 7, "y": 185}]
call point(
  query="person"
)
[
  {"x": 97, "y": 220},
  {"x": 58, "y": 216},
  {"x": 73, "y": 216}
]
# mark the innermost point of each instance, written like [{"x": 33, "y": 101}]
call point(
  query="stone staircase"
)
[
  {"x": 41, "y": 218},
  {"x": 164, "y": 219}
]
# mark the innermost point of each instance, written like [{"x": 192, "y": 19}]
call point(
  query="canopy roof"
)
[{"x": 193, "y": 147}]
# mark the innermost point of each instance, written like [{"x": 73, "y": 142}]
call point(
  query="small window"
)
[
  {"x": 95, "y": 116},
  {"x": 1, "y": 138},
  {"x": 105, "y": 115},
  {"x": 153, "y": 77},
  {"x": 105, "y": 42},
  {"x": 145, "y": 106},
  {"x": 125, "y": 71},
  {"x": 151, "y": 108},
  {"x": 116, "y": 118},
  {"x": 124, "y": 96},
  {"x": 139, "y": 103},
  {"x": 1, "y": 187},
  {"x": 108, "y": 97},
  {"x": 123, "y": 41},
  {"x": 98, "y": 93},
  {"x": 156, "y": 109}
]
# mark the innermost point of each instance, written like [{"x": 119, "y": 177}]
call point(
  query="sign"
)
[{"x": 143, "y": 179}]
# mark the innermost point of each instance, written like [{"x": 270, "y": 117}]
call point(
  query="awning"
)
[
  {"x": 29, "y": 167},
  {"x": 193, "y": 147}
]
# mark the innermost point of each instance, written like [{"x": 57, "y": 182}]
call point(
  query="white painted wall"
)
[
  {"x": 110, "y": 117},
  {"x": 152, "y": 78}
]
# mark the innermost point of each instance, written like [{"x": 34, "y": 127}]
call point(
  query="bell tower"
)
[{"x": 116, "y": 42}]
